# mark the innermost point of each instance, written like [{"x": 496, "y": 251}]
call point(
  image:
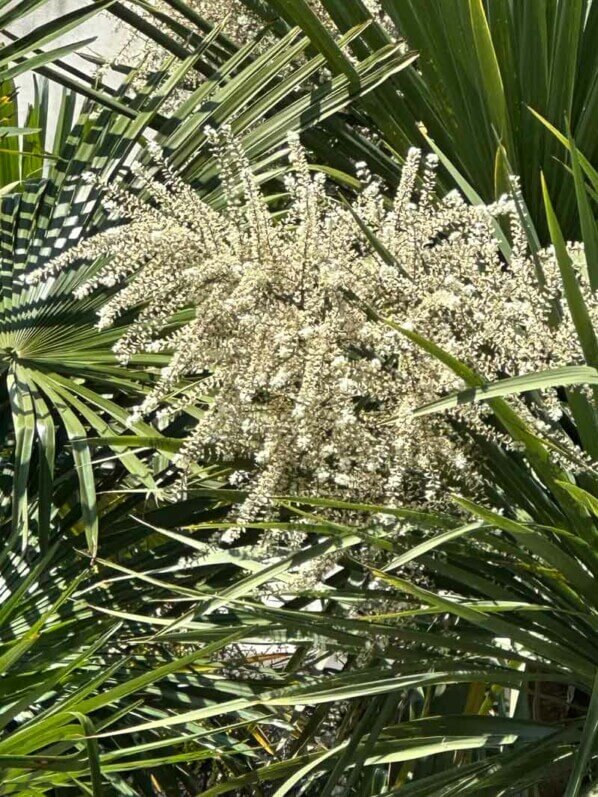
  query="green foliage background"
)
[{"x": 111, "y": 633}]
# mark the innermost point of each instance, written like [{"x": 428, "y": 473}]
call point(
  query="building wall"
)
[{"x": 109, "y": 33}]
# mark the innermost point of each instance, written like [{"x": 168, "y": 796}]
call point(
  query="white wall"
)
[{"x": 109, "y": 32}]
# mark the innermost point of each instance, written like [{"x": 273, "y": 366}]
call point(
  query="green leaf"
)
[
  {"x": 35, "y": 61},
  {"x": 490, "y": 73},
  {"x": 170, "y": 445},
  {"x": 47, "y": 32},
  {"x": 93, "y": 753},
  {"x": 586, "y": 746},
  {"x": 589, "y": 227},
  {"x": 302, "y": 14},
  {"x": 82, "y": 457},
  {"x": 431, "y": 544},
  {"x": 583, "y": 497},
  {"x": 577, "y": 307},
  {"x": 583, "y": 161},
  {"x": 541, "y": 380},
  {"x": 24, "y": 423},
  {"x": 10, "y": 132}
]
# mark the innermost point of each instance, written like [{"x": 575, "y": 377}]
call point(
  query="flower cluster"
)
[{"x": 299, "y": 376}]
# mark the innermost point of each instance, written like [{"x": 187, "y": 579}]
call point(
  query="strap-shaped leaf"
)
[
  {"x": 541, "y": 380},
  {"x": 577, "y": 306},
  {"x": 82, "y": 459},
  {"x": 586, "y": 747}
]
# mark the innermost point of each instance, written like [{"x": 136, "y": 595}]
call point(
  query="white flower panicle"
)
[{"x": 304, "y": 382}]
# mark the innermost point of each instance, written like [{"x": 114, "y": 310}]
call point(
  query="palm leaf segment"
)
[{"x": 59, "y": 374}]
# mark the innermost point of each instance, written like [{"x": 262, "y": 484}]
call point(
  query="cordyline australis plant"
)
[{"x": 300, "y": 345}]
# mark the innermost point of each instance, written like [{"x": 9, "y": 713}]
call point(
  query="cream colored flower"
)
[{"x": 303, "y": 381}]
